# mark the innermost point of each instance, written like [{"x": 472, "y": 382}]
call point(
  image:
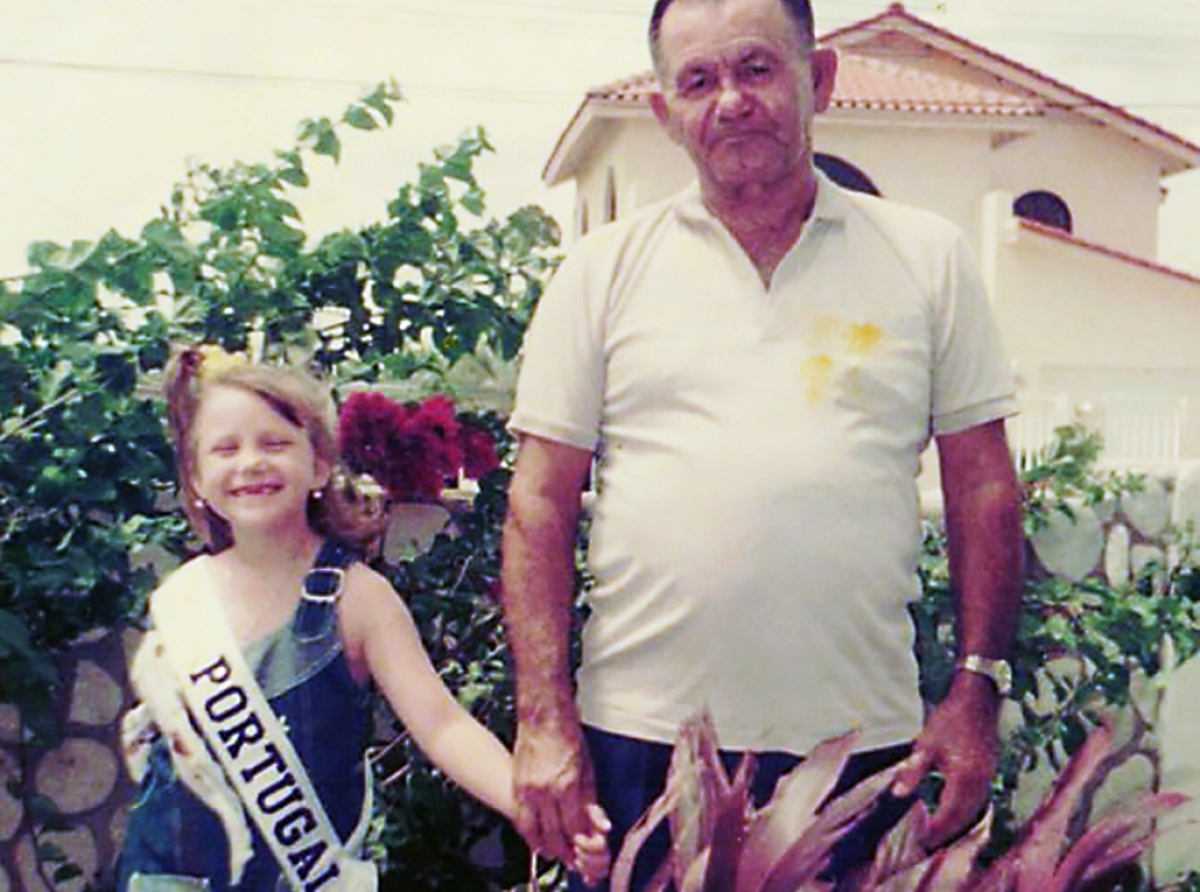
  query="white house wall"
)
[
  {"x": 658, "y": 166},
  {"x": 1111, "y": 187},
  {"x": 953, "y": 171},
  {"x": 646, "y": 167},
  {"x": 1093, "y": 328},
  {"x": 944, "y": 169},
  {"x": 589, "y": 182}
]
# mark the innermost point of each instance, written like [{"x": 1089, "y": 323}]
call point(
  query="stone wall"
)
[
  {"x": 1115, "y": 541},
  {"x": 1179, "y": 721},
  {"x": 83, "y": 776}
]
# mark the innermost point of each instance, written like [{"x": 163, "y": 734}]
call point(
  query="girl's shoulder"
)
[
  {"x": 364, "y": 586},
  {"x": 370, "y": 611},
  {"x": 369, "y": 603}
]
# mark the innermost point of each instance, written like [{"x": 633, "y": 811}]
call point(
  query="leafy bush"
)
[
  {"x": 437, "y": 838},
  {"x": 1083, "y": 649},
  {"x": 86, "y": 475}
]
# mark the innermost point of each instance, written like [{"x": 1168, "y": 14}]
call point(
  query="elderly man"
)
[{"x": 758, "y": 363}]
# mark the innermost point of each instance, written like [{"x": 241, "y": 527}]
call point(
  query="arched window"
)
[
  {"x": 845, "y": 174},
  {"x": 1044, "y": 207},
  {"x": 610, "y": 197}
]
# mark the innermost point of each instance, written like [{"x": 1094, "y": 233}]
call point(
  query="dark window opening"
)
[
  {"x": 845, "y": 174},
  {"x": 1045, "y": 208}
]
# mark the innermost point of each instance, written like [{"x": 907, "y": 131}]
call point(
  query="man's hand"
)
[
  {"x": 553, "y": 788},
  {"x": 960, "y": 740},
  {"x": 982, "y": 500},
  {"x": 552, "y": 773}
]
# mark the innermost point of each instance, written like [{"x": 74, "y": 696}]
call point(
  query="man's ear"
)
[
  {"x": 823, "y": 62},
  {"x": 658, "y": 104}
]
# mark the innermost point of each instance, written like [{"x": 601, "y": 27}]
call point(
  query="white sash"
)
[{"x": 254, "y": 750}]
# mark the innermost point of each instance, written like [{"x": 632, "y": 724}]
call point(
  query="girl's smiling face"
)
[{"x": 253, "y": 466}]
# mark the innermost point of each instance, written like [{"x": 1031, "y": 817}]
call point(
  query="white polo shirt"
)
[{"x": 756, "y": 532}]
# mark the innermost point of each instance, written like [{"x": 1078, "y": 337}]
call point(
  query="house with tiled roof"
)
[{"x": 1058, "y": 191}]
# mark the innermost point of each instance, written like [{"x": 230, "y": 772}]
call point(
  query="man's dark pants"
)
[{"x": 631, "y": 774}]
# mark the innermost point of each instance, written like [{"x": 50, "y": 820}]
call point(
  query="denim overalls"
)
[{"x": 174, "y": 842}]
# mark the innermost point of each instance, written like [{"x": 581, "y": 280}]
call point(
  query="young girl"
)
[{"x": 255, "y": 680}]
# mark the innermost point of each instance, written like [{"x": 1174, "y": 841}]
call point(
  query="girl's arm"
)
[
  {"x": 383, "y": 640},
  {"x": 380, "y": 632}
]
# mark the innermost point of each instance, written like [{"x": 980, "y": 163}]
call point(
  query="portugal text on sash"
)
[{"x": 270, "y": 788}]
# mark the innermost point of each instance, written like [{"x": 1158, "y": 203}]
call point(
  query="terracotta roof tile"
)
[
  {"x": 869, "y": 83},
  {"x": 898, "y": 32},
  {"x": 635, "y": 89},
  {"x": 1124, "y": 256},
  {"x": 864, "y": 82}
]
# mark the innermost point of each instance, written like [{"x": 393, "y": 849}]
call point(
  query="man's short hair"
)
[{"x": 800, "y": 12}]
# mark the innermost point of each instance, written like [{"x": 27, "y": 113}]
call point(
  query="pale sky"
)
[{"x": 103, "y": 101}]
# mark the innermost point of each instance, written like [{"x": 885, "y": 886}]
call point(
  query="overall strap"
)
[
  {"x": 250, "y": 742},
  {"x": 323, "y": 586},
  {"x": 315, "y": 618}
]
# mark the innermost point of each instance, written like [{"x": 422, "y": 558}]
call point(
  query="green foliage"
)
[
  {"x": 453, "y": 591},
  {"x": 1083, "y": 648},
  {"x": 82, "y": 460},
  {"x": 1062, "y": 476},
  {"x": 86, "y": 475},
  {"x": 422, "y": 289},
  {"x": 1189, "y": 882}
]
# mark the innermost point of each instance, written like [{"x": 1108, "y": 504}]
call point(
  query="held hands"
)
[
  {"x": 591, "y": 858},
  {"x": 960, "y": 740},
  {"x": 555, "y": 797}
]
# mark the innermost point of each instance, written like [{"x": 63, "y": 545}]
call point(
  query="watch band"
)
[{"x": 999, "y": 671}]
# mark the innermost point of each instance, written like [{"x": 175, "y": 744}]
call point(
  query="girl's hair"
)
[{"x": 337, "y": 511}]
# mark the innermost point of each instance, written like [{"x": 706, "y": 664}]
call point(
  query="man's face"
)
[{"x": 739, "y": 89}]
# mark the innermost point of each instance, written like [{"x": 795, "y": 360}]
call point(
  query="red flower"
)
[
  {"x": 479, "y": 452},
  {"x": 411, "y": 450}
]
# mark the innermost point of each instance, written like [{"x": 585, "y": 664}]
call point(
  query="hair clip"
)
[{"x": 216, "y": 361}]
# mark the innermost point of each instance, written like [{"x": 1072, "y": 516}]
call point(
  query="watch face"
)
[{"x": 999, "y": 671}]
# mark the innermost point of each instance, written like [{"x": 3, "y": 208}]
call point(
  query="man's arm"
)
[
  {"x": 552, "y": 773},
  {"x": 982, "y": 501}
]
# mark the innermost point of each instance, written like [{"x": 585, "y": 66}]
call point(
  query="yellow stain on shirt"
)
[
  {"x": 825, "y": 331},
  {"x": 863, "y": 338},
  {"x": 839, "y": 348},
  {"x": 817, "y": 371}
]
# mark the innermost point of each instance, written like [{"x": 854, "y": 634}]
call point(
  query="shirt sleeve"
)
[
  {"x": 560, "y": 388},
  {"x": 972, "y": 375}
]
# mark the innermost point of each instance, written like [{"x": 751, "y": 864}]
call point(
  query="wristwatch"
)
[{"x": 999, "y": 671}]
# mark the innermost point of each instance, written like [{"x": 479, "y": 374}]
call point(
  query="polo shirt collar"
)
[{"x": 830, "y": 207}]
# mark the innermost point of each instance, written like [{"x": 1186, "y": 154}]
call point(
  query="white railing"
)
[
  {"x": 1032, "y": 430},
  {"x": 1142, "y": 431},
  {"x": 1137, "y": 431}
]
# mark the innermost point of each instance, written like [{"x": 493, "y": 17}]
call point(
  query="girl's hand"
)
[{"x": 591, "y": 859}]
